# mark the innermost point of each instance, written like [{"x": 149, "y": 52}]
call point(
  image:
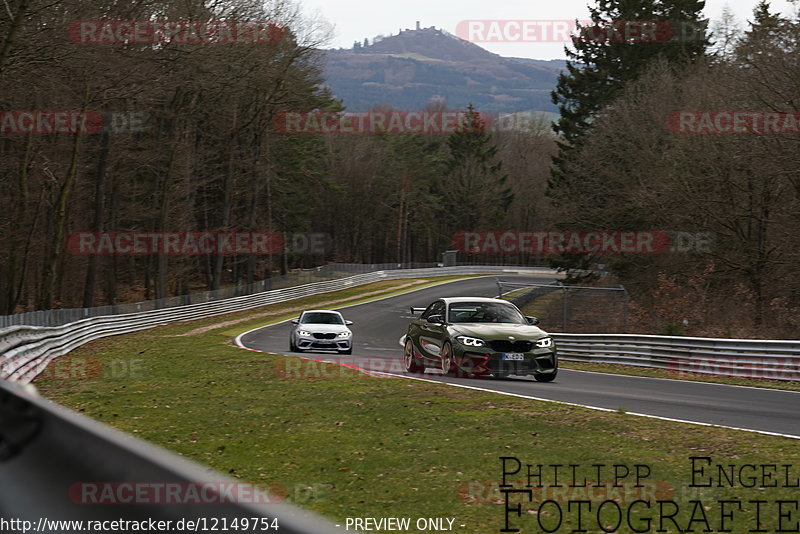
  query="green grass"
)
[
  {"x": 511, "y": 294},
  {"x": 539, "y": 307},
  {"x": 247, "y": 320},
  {"x": 344, "y": 444}
]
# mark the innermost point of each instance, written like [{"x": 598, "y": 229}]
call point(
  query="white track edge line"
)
[
  {"x": 239, "y": 344},
  {"x": 531, "y": 397}
]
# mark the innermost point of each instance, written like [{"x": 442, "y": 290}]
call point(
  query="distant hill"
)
[{"x": 415, "y": 67}]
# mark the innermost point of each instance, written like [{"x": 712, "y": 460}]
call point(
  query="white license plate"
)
[{"x": 516, "y": 356}]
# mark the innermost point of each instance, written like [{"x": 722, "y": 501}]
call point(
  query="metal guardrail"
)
[
  {"x": 331, "y": 271},
  {"x": 776, "y": 360},
  {"x": 25, "y": 351},
  {"x": 46, "y": 451},
  {"x": 53, "y": 462}
]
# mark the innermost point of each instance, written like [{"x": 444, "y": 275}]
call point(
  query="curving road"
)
[{"x": 378, "y": 327}]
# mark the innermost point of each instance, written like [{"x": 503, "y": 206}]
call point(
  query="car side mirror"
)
[
  {"x": 348, "y": 323},
  {"x": 296, "y": 320},
  {"x": 436, "y": 319},
  {"x": 532, "y": 320}
]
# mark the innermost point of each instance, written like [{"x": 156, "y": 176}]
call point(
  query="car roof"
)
[
  {"x": 452, "y": 300},
  {"x": 322, "y": 311}
]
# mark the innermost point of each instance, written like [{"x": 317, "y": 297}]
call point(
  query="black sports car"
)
[{"x": 479, "y": 336}]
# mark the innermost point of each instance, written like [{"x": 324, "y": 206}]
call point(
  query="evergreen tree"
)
[
  {"x": 614, "y": 50},
  {"x": 603, "y": 59},
  {"x": 769, "y": 35},
  {"x": 475, "y": 194},
  {"x": 415, "y": 163}
]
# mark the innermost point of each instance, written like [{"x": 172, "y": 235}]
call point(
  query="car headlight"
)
[
  {"x": 470, "y": 341},
  {"x": 544, "y": 342},
  {"x": 304, "y": 333},
  {"x": 345, "y": 334}
]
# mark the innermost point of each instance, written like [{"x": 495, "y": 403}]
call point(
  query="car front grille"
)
[
  {"x": 326, "y": 345},
  {"x": 324, "y": 336},
  {"x": 502, "y": 345}
]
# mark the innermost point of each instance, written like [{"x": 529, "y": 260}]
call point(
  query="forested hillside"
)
[
  {"x": 409, "y": 69},
  {"x": 184, "y": 137}
]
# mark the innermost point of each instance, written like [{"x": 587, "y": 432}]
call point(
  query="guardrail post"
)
[{"x": 626, "y": 299}]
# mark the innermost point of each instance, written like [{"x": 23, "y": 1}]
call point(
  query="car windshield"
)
[
  {"x": 484, "y": 312},
  {"x": 321, "y": 318}
]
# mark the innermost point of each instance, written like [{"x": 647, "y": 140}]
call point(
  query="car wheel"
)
[
  {"x": 409, "y": 361},
  {"x": 448, "y": 364},
  {"x": 348, "y": 351},
  {"x": 293, "y": 347},
  {"x": 545, "y": 377}
]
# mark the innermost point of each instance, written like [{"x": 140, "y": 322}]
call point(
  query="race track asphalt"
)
[{"x": 379, "y": 325}]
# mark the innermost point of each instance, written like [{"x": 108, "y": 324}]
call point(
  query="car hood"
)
[
  {"x": 499, "y": 330},
  {"x": 323, "y": 328}
]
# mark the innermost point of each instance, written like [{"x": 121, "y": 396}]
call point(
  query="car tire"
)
[
  {"x": 293, "y": 347},
  {"x": 410, "y": 363},
  {"x": 448, "y": 364},
  {"x": 348, "y": 351},
  {"x": 549, "y": 377}
]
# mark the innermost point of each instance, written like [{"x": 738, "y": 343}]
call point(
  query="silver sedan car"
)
[{"x": 323, "y": 330}]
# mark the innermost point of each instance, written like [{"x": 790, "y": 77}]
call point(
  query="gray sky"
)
[{"x": 353, "y": 20}]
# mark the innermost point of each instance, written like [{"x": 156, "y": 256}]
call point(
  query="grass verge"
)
[
  {"x": 345, "y": 444},
  {"x": 233, "y": 324}
]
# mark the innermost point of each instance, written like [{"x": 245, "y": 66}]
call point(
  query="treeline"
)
[
  {"x": 190, "y": 144},
  {"x": 704, "y": 144}
]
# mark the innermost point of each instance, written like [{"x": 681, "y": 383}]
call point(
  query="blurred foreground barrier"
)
[{"x": 63, "y": 472}]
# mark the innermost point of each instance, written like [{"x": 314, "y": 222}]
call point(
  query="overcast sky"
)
[{"x": 353, "y": 20}]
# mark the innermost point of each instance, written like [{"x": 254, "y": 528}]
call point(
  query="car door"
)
[
  {"x": 431, "y": 335},
  {"x": 418, "y": 327}
]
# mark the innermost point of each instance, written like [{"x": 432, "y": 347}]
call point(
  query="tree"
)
[
  {"x": 611, "y": 52},
  {"x": 203, "y": 163},
  {"x": 602, "y": 63},
  {"x": 474, "y": 191},
  {"x": 741, "y": 188},
  {"x": 727, "y": 33}
]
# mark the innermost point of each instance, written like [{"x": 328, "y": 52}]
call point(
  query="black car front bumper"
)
[{"x": 478, "y": 362}]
